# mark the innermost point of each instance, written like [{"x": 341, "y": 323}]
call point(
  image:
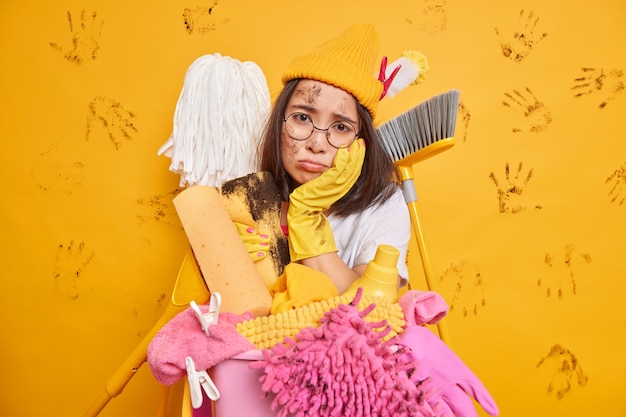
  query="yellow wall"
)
[{"x": 532, "y": 267}]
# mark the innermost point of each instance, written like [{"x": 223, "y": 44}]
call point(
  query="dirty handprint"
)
[
  {"x": 465, "y": 117},
  {"x": 565, "y": 368},
  {"x": 117, "y": 121},
  {"x": 57, "y": 176},
  {"x": 512, "y": 189},
  {"x": 523, "y": 40},
  {"x": 202, "y": 19},
  {"x": 70, "y": 263},
  {"x": 617, "y": 182},
  {"x": 464, "y": 280},
  {"x": 535, "y": 113},
  {"x": 159, "y": 208},
  {"x": 433, "y": 17},
  {"x": 599, "y": 81},
  {"x": 85, "y": 38},
  {"x": 561, "y": 269}
]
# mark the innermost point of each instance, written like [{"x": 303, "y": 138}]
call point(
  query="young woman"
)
[{"x": 340, "y": 190}]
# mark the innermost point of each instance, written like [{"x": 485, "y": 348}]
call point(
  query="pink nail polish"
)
[
  {"x": 250, "y": 230},
  {"x": 263, "y": 236},
  {"x": 264, "y": 244},
  {"x": 260, "y": 254}
]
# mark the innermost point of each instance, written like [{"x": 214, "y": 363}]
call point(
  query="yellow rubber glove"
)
[
  {"x": 256, "y": 244},
  {"x": 310, "y": 233}
]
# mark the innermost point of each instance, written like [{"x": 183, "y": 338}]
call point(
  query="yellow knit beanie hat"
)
[{"x": 348, "y": 62}]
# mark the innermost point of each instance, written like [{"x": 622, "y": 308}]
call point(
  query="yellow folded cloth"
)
[{"x": 300, "y": 285}]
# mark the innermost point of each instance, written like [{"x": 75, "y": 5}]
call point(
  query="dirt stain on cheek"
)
[{"x": 289, "y": 148}]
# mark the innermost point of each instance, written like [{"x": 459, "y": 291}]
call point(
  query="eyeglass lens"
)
[{"x": 299, "y": 126}]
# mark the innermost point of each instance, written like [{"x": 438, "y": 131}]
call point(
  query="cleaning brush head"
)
[{"x": 429, "y": 122}]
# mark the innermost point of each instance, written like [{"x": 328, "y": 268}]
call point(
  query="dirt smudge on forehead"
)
[{"x": 309, "y": 93}]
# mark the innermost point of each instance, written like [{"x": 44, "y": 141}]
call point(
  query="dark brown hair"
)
[{"x": 379, "y": 176}]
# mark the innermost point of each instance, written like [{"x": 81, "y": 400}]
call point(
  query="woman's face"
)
[{"x": 324, "y": 105}]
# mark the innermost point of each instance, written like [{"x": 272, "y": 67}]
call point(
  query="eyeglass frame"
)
[{"x": 326, "y": 131}]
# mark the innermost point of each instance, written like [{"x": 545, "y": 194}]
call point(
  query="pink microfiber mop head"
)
[{"x": 341, "y": 368}]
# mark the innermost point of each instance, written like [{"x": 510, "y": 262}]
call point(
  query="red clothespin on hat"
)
[{"x": 382, "y": 77}]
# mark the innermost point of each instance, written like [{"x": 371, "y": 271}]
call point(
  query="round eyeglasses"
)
[{"x": 340, "y": 134}]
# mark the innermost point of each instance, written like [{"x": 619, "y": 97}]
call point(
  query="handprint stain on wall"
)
[
  {"x": 565, "y": 370},
  {"x": 523, "y": 39},
  {"x": 55, "y": 176},
  {"x": 115, "y": 119},
  {"x": 464, "y": 120},
  {"x": 464, "y": 281},
  {"x": 511, "y": 191},
  {"x": 71, "y": 261},
  {"x": 202, "y": 19},
  {"x": 433, "y": 17},
  {"x": 561, "y": 270},
  {"x": 62, "y": 178},
  {"x": 599, "y": 81},
  {"x": 159, "y": 208},
  {"x": 144, "y": 324},
  {"x": 536, "y": 115},
  {"x": 85, "y": 38},
  {"x": 617, "y": 183}
]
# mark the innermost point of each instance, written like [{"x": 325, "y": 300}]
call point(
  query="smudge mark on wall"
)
[
  {"x": 617, "y": 182},
  {"x": 201, "y": 20},
  {"x": 85, "y": 38},
  {"x": 465, "y": 119},
  {"x": 61, "y": 177},
  {"x": 159, "y": 301},
  {"x": 565, "y": 369},
  {"x": 159, "y": 208},
  {"x": 433, "y": 17}
]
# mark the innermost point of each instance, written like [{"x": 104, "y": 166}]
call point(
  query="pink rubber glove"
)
[
  {"x": 422, "y": 307},
  {"x": 451, "y": 381},
  {"x": 183, "y": 336}
]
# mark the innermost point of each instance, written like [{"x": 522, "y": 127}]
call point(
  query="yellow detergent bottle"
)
[{"x": 381, "y": 275}]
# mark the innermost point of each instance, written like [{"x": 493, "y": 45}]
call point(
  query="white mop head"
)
[{"x": 218, "y": 121}]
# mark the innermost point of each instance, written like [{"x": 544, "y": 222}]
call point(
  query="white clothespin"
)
[
  {"x": 211, "y": 317},
  {"x": 199, "y": 379}
]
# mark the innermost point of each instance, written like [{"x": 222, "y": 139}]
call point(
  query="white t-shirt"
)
[{"x": 357, "y": 236}]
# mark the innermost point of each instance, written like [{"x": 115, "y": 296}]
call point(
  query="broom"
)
[{"x": 415, "y": 135}]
